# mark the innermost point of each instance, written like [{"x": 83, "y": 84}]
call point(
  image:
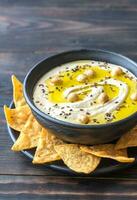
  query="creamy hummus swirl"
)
[
  {"x": 86, "y": 104},
  {"x": 68, "y": 111}
]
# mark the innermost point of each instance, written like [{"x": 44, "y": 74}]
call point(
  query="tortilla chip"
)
[
  {"x": 76, "y": 159},
  {"x": 45, "y": 151},
  {"x": 129, "y": 139},
  {"x": 29, "y": 135},
  {"x": 18, "y": 96},
  {"x": 16, "y": 118},
  {"x": 108, "y": 151}
]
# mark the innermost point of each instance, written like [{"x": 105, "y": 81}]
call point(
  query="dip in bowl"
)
[{"x": 85, "y": 96}]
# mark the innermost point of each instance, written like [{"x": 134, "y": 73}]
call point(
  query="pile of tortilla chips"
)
[{"x": 79, "y": 158}]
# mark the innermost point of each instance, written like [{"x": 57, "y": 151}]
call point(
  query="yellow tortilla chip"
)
[
  {"x": 16, "y": 118},
  {"x": 45, "y": 151},
  {"x": 29, "y": 135},
  {"x": 18, "y": 96},
  {"x": 129, "y": 139},
  {"x": 76, "y": 159},
  {"x": 108, "y": 151}
]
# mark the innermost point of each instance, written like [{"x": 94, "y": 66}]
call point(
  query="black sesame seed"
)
[
  {"x": 50, "y": 92},
  {"x": 43, "y": 90},
  {"x": 108, "y": 114},
  {"x": 87, "y": 113},
  {"x": 41, "y": 85}
]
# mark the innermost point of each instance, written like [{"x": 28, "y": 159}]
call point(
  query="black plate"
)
[{"x": 106, "y": 165}]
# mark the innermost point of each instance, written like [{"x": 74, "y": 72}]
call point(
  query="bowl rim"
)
[{"x": 31, "y": 104}]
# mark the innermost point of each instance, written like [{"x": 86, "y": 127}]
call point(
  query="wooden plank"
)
[
  {"x": 60, "y": 188},
  {"x": 44, "y": 28},
  {"x": 71, "y": 3}
]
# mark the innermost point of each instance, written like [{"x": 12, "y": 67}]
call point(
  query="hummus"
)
[{"x": 52, "y": 98}]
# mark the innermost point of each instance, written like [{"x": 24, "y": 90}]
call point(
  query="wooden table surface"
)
[{"x": 32, "y": 30}]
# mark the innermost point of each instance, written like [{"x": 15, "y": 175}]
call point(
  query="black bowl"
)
[{"x": 75, "y": 133}]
